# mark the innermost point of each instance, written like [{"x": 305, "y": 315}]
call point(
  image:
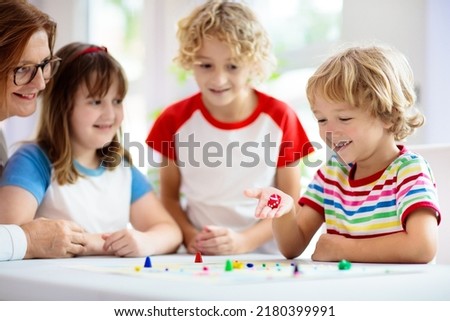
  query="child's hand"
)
[
  {"x": 123, "y": 243},
  {"x": 191, "y": 246},
  {"x": 94, "y": 244},
  {"x": 218, "y": 240},
  {"x": 263, "y": 194},
  {"x": 330, "y": 247}
]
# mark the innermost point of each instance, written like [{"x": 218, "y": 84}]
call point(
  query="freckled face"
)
[{"x": 21, "y": 100}]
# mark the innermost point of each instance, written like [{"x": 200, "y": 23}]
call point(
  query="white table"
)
[{"x": 57, "y": 279}]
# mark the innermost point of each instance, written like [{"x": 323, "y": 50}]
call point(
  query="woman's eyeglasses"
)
[{"x": 25, "y": 74}]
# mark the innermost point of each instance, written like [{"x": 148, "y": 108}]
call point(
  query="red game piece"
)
[
  {"x": 274, "y": 201},
  {"x": 198, "y": 258}
]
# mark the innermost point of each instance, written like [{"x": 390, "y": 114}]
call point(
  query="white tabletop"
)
[{"x": 110, "y": 278}]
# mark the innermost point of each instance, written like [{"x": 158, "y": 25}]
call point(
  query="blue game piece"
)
[
  {"x": 148, "y": 262},
  {"x": 296, "y": 270}
]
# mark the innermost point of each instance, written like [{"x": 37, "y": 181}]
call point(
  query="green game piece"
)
[
  {"x": 228, "y": 266},
  {"x": 344, "y": 265}
]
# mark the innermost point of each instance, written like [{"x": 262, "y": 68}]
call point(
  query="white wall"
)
[
  {"x": 161, "y": 45},
  {"x": 418, "y": 28},
  {"x": 71, "y": 17},
  {"x": 399, "y": 23},
  {"x": 436, "y": 86}
]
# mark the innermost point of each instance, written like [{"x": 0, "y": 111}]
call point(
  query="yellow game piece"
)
[
  {"x": 237, "y": 264},
  {"x": 137, "y": 268}
]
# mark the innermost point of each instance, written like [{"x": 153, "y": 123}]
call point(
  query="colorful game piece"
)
[
  {"x": 219, "y": 273},
  {"x": 296, "y": 270},
  {"x": 274, "y": 201},
  {"x": 237, "y": 264},
  {"x": 344, "y": 265},
  {"x": 228, "y": 266},
  {"x": 148, "y": 262},
  {"x": 198, "y": 258}
]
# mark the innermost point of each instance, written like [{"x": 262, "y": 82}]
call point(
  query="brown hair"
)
[
  {"x": 376, "y": 78},
  {"x": 81, "y": 64},
  {"x": 19, "y": 20}
]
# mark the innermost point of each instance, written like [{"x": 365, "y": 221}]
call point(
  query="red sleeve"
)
[
  {"x": 295, "y": 143},
  {"x": 161, "y": 137}
]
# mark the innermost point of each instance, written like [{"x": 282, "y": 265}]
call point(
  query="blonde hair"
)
[
  {"x": 376, "y": 78},
  {"x": 232, "y": 23}
]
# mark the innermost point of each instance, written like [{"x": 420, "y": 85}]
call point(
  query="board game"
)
[{"x": 240, "y": 271}]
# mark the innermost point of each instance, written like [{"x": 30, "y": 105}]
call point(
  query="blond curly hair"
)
[
  {"x": 376, "y": 78},
  {"x": 232, "y": 23}
]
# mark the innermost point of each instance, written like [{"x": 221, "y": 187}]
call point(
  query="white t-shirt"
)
[
  {"x": 217, "y": 160},
  {"x": 99, "y": 201}
]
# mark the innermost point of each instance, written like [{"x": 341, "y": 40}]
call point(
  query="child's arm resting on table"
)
[
  {"x": 294, "y": 227},
  {"x": 417, "y": 244}
]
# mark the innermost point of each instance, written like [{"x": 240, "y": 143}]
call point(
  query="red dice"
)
[{"x": 274, "y": 201}]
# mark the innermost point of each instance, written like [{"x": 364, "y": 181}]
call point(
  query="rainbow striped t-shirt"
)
[{"x": 375, "y": 205}]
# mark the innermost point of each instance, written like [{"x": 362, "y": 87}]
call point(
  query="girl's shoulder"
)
[{"x": 31, "y": 152}]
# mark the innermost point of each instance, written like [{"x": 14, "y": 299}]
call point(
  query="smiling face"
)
[
  {"x": 21, "y": 100},
  {"x": 353, "y": 133},
  {"x": 94, "y": 122},
  {"x": 223, "y": 82}
]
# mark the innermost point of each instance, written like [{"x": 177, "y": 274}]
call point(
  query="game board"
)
[{"x": 240, "y": 272}]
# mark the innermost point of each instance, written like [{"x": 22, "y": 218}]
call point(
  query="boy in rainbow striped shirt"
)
[{"x": 377, "y": 199}]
